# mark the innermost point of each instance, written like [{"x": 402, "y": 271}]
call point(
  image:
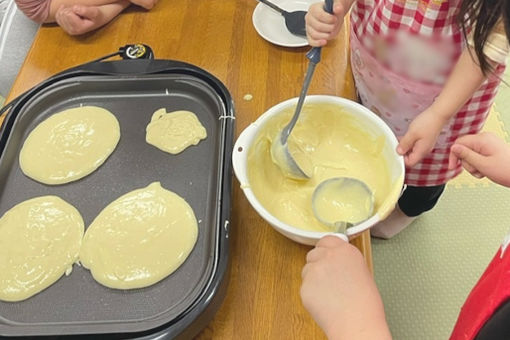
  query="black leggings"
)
[{"x": 417, "y": 200}]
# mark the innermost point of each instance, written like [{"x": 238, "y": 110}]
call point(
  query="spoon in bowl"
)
[
  {"x": 295, "y": 21},
  {"x": 342, "y": 202},
  {"x": 279, "y": 148}
]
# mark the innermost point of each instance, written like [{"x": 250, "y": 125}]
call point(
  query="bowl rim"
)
[{"x": 245, "y": 141}]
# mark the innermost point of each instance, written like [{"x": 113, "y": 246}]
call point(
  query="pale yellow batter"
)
[
  {"x": 140, "y": 238},
  {"x": 39, "y": 241},
  {"x": 336, "y": 145},
  {"x": 342, "y": 200},
  {"x": 173, "y": 132},
  {"x": 69, "y": 145}
]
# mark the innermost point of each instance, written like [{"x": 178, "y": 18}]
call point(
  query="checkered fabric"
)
[{"x": 428, "y": 18}]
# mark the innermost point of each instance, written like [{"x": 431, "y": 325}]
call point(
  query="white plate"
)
[{"x": 270, "y": 24}]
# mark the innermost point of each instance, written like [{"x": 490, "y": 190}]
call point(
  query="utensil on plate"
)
[
  {"x": 279, "y": 149},
  {"x": 295, "y": 21},
  {"x": 337, "y": 197}
]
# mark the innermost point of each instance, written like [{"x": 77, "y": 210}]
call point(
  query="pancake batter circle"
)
[
  {"x": 69, "y": 145},
  {"x": 140, "y": 238},
  {"x": 40, "y": 240}
]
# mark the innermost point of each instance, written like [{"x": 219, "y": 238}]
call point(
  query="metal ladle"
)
[
  {"x": 282, "y": 157},
  {"x": 279, "y": 148},
  {"x": 334, "y": 196}
]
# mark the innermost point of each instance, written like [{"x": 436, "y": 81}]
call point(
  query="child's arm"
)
[
  {"x": 322, "y": 26},
  {"x": 465, "y": 80},
  {"x": 424, "y": 130},
  {"x": 78, "y": 19},
  {"x": 55, "y": 5},
  {"x": 340, "y": 293},
  {"x": 483, "y": 155}
]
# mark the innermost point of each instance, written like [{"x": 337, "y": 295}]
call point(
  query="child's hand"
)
[
  {"x": 483, "y": 155},
  {"x": 421, "y": 137},
  {"x": 147, "y": 4},
  {"x": 78, "y": 19},
  {"x": 322, "y": 26},
  {"x": 340, "y": 293}
]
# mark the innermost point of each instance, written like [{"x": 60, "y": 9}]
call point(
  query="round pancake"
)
[
  {"x": 40, "y": 240},
  {"x": 140, "y": 238},
  {"x": 69, "y": 145}
]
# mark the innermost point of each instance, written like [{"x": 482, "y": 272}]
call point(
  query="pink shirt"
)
[
  {"x": 37, "y": 10},
  {"x": 402, "y": 53}
]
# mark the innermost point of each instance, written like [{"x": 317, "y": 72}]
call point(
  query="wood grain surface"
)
[{"x": 262, "y": 300}]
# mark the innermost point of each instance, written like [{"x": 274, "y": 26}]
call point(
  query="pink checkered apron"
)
[{"x": 401, "y": 54}]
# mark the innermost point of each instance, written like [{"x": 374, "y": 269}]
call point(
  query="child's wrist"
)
[{"x": 443, "y": 115}]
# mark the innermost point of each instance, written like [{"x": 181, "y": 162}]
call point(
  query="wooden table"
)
[{"x": 263, "y": 296}]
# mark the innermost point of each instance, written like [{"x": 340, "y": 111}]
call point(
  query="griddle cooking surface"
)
[{"x": 77, "y": 304}]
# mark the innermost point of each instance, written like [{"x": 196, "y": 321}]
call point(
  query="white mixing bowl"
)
[{"x": 372, "y": 123}]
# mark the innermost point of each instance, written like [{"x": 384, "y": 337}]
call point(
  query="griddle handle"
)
[
  {"x": 5, "y": 108},
  {"x": 134, "y": 67},
  {"x": 6, "y": 123}
]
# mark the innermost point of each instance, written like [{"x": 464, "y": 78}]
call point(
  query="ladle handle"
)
[
  {"x": 314, "y": 55},
  {"x": 306, "y": 83},
  {"x": 340, "y": 236},
  {"x": 328, "y": 6}
]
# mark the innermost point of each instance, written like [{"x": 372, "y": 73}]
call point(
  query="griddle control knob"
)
[{"x": 137, "y": 51}]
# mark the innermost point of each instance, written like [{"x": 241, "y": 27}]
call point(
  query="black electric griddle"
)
[{"x": 183, "y": 303}]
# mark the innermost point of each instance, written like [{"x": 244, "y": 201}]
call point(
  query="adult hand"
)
[
  {"x": 340, "y": 293},
  {"x": 421, "y": 136},
  {"x": 483, "y": 155},
  {"x": 322, "y": 26}
]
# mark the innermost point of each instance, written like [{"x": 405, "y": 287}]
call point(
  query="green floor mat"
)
[{"x": 425, "y": 273}]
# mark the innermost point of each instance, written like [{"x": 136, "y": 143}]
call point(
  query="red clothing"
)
[{"x": 491, "y": 291}]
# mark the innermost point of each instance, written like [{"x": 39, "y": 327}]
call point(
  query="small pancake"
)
[{"x": 173, "y": 132}]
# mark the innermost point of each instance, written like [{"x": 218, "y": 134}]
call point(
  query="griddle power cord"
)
[{"x": 132, "y": 51}]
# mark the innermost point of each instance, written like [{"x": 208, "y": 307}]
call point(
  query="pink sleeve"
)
[{"x": 37, "y": 10}]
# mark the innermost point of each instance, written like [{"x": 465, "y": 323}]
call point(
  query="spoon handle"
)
[{"x": 273, "y": 6}]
